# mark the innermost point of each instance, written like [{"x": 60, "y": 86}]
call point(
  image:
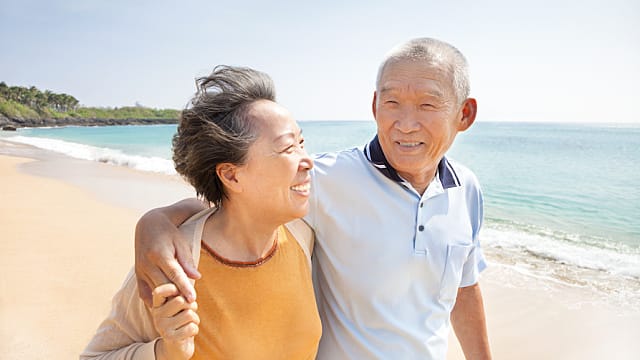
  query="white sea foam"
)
[
  {"x": 101, "y": 154},
  {"x": 565, "y": 249},
  {"x": 610, "y": 269}
]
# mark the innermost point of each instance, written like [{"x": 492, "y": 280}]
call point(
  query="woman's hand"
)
[{"x": 177, "y": 322}]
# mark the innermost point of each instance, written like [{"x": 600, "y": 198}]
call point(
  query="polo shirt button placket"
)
[{"x": 420, "y": 246}]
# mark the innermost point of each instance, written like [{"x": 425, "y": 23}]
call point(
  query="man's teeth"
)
[
  {"x": 409, "y": 143},
  {"x": 304, "y": 187}
]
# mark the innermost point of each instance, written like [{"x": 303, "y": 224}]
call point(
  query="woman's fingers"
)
[
  {"x": 160, "y": 294},
  {"x": 188, "y": 330},
  {"x": 174, "y": 305},
  {"x": 184, "y": 325},
  {"x": 174, "y": 318}
]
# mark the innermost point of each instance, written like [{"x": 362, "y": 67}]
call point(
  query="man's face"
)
[{"x": 418, "y": 117}]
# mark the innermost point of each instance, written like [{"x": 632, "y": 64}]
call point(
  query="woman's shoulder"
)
[
  {"x": 304, "y": 236},
  {"x": 192, "y": 230}
]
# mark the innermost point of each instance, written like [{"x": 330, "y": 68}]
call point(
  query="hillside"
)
[{"x": 30, "y": 107}]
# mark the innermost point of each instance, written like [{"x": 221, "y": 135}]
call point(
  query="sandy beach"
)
[{"x": 67, "y": 243}]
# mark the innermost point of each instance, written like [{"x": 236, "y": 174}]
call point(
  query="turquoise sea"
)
[{"x": 562, "y": 201}]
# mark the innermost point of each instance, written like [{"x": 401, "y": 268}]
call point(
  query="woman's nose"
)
[{"x": 306, "y": 162}]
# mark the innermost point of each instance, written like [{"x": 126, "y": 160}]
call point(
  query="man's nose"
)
[{"x": 407, "y": 121}]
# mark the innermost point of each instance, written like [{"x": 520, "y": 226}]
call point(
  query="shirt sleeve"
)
[
  {"x": 473, "y": 266},
  {"x": 128, "y": 331},
  {"x": 475, "y": 261}
]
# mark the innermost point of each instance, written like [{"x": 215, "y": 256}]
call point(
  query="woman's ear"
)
[{"x": 228, "y": 175}]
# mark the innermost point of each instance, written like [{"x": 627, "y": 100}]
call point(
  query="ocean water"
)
[{"x": 562, "y": 201}]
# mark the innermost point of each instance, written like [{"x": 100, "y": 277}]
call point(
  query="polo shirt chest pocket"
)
[{"x": 457, "y": 256}]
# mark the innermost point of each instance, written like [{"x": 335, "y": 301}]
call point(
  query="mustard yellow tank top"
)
[{"x": 260, "y": 310}]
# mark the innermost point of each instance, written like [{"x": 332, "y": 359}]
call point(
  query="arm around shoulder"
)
[
  {"x": 162, "y": 254},
  {"x": 175, "y": 213}
]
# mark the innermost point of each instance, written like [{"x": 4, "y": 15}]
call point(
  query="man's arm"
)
[
  {"x": 469, "y": 323},
  {"x": 162, "y": 255}
]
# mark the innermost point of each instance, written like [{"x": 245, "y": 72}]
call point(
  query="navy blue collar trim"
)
[{"x": 373, "y": 152}]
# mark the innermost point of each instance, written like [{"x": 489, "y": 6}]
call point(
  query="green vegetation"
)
[
  {"x": 127, "y": 112},
  {"x": 22, "y": 103},
  {"x": 14, "y": 110}
]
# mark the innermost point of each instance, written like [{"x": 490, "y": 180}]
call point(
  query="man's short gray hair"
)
[{"x": 435, "y": 53}]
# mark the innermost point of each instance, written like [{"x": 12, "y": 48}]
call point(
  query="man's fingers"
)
[
  {"x": 148, "y": 278},
  {"x": 169, "y": 271},
  {"x": 185, "y": 258},
  {"x": 144, "y": 291},
  {"x": 156, "y": 277},
  {"x": 176, "y": 275}
]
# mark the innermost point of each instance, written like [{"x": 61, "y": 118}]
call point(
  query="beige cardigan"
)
[{"x": 128, "y": 331}]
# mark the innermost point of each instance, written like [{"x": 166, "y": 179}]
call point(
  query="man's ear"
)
[
  {"x": 469, "y": 111},
  {"x": 373, "y": 104},
  {"x": 228, "y": 175}
]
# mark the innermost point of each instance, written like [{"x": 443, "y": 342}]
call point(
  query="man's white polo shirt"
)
[{"x": 387, "y": 261}]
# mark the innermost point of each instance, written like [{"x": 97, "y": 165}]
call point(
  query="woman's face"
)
[{"x": 275, "y": 177}]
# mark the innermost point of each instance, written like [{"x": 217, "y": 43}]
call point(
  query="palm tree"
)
[{"x": 4, "y": 90}]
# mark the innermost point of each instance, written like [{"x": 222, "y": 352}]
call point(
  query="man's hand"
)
[
  {"x": 162, "y": 254},
  {"x": 177, "y": 322}
]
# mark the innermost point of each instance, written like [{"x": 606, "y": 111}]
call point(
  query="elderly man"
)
[{"x": 397, "y": 224}]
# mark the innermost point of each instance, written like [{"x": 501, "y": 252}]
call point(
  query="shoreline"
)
[
  {"x": 14, "y": 124},
  {"x": 90, "y": 210}
]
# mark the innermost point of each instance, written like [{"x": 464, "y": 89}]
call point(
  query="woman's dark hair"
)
[{"x": 215, "y": 127}]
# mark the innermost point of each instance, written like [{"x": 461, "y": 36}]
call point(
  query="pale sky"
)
[{"x": 569, "y": 61}]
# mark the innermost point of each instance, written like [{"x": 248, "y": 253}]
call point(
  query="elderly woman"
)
[{"x": 244, "y": 154}]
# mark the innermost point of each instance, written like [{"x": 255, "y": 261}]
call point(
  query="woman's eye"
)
[
  {"x": 289, "y": 149},
  {"x": 293, "y": 147}
]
